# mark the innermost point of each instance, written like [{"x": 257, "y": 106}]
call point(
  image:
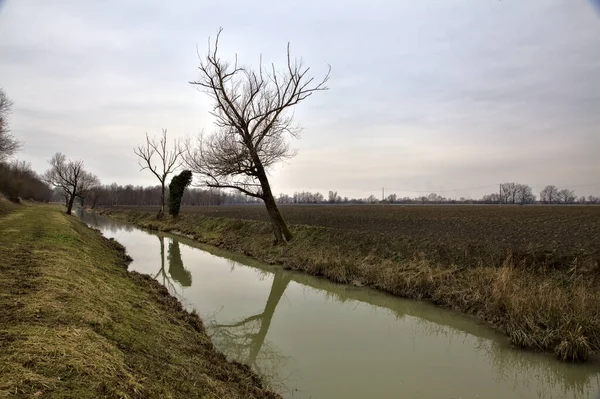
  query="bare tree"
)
[
  {"x": 8, "y": 144},
  {"x": 508, "y": 193},
  {"x": 66, "y": 175},
  {"x": 524, "y": 194},
  {"x": 334, "y": 197},
  {"x": 549, "y": 194},
  {"x": 168, "y": 160},
  {"x": 251, "y": 108},
  {"x": 87, "y": 182},
  {"x": 566, "y": 196}
]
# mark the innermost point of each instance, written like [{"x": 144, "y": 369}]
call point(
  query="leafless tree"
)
[
  {"x": 549, "y": 194},
  {"x": 508, "y": 193},
  {"x": 253, "y": 119},
  {"x": 8, "y": 144},
  {"x": 566, "y": 196},
  {"x": 593, "y": 199},
  {"x": 69, "y": 177},
  {"x": 334, "y": 197},
  {"x": 524, "y": 194},
  {"x": 168, "y": 160},
  {"x": 87, "y": 182}
]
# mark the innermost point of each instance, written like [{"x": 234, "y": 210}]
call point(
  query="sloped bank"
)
[
  {"x": 74, "y": 323},
  {"x": 537, "y": 307}
]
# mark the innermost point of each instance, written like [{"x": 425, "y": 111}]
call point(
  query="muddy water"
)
[{"x": 310, "y": 338}]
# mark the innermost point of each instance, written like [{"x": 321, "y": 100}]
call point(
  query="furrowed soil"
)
[
  {"x": 531, "y": 272},
  {"x": 75, "y": 324}
]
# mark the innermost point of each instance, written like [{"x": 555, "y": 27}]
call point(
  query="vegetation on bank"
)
[
  {"x": 540, "y": 302},
  {"x": 74, "y": 323}
]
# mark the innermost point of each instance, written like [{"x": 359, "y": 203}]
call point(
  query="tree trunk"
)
[
  {"x": 280, "y": 229},
  {"x": 70, "y": 204},
  {"x": 162, "y": 199}
]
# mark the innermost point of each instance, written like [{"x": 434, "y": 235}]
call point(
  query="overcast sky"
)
[{"x": 424, "y": 95}]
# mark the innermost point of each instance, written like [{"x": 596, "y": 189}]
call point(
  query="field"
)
[
  {"x": 552, "y": 234},
  {"x": 531, "y": 272}
]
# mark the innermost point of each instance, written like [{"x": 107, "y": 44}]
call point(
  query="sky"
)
[{"x": 451, "y": 96}]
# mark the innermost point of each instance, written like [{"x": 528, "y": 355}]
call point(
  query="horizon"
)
[{"x": 450, "y": 98}]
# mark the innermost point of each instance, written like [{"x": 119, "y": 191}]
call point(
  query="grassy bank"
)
[
  {"x": 75, "y": 324},
  {"x": 539, "y": 302}
]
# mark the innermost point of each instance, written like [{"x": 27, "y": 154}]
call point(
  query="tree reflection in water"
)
[
  {"x": 176, "y": 270},
  {"x": 244, "y": 340}
]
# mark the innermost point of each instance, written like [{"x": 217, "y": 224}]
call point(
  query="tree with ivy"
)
[{"x": 176, "y": 189}]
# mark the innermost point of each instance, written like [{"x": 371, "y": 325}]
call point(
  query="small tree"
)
[
  {"x": 168, "y": 161},
  {"x": 69, "y": 177},
  {"x": 524, "y": 194},
  {"x": 87, "y": 183},
  {"x": 508, "y": 192},
  {"x": 549, "y": 194},
  {"x": 176, "y": 189},
  {"x": 333, "y": 197},
  {"x": 8, "y": 144},
  {"x": 566, "y": 196},
  {"x": 252, "y": 115}
]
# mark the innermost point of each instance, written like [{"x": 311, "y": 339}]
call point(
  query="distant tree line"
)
[
  {"x": 18, "y": 181},
  {"x": 508, "y": 193},
  {"x": 115, "y": 195}
]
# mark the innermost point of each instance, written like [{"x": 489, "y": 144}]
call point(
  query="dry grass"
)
[
  {"x": 75, "y": 324},
  {"x": 553, "y": 309}
]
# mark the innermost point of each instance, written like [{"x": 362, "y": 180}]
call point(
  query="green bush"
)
[{"x": 176, "y": 189}]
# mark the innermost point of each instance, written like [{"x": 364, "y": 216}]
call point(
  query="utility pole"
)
[
  {"x": 382, "y": 193},
  {"x": 500, "y": 193}
]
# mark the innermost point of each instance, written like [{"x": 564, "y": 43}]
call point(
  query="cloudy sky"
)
[{"x": 433, "y": 95}]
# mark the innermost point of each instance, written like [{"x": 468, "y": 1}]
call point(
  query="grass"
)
[
  {"x": 533, "y": 236},
  {"x": 75, "y": 324},
  {"x": 546, "y": 303},
  {"x": 5, "y": 205}
]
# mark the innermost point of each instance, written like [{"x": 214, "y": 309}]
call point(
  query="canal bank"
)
[
  {"x": 311, "y": 338},
  {"x": 540, "y": 308},
  {"x": 75, "y": 323}
]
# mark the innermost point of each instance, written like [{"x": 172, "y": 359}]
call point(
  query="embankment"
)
[
  {"x": 75, "y": 324},
  {"x": 539, "y": 304}
]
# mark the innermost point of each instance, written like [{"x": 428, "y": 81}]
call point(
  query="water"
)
[{"x": 310, "y": 338}]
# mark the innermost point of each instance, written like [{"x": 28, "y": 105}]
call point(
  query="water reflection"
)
[
  {"x": 309, "y": 337},
  {"x": 102, "y": 223},
  {"x": 243, "y": 340},
  {"x": 177, "y": 272},
  {"x": 176, "y": 269}
]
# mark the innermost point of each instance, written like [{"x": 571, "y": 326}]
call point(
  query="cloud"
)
[{"x": 423, "y": 95}]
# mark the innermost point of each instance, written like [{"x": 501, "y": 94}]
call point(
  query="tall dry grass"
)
[{"x": 537, "y": 305}]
